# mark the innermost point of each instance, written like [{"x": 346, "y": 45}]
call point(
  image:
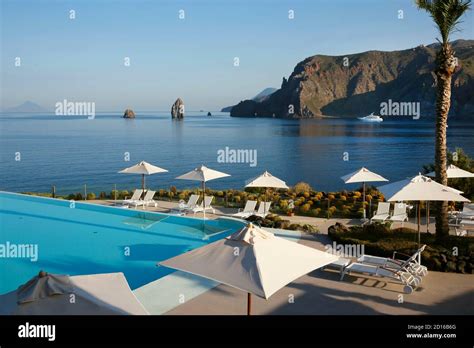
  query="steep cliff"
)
[{"x": 357, "y": 84}]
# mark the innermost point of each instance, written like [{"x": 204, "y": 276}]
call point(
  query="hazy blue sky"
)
[{"x": 83, "y": 59}]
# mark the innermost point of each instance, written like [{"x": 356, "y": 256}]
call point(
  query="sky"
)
[{"x": 82, "y": 59}]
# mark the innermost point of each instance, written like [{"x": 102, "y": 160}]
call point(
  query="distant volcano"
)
[{"x": 27, "y": 107}]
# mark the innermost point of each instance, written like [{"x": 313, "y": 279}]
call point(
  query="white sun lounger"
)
[
  {"x": 399, "y": 213},
  {"x": 467, "y": 213},
  {"x": 400, "y": 274},
  {"x": 413, "y": 266},
  {"x": 207, "y": 205},
  {"x": 135, "y": 197},
  {"x": 146, "y": 201},
  {"x": 248, "y": 210},
  {"x": 463, "y": 228},
  {"x": 263, "y": 209},
  {"x": 382, "y": 213},
  {"x": 192, "y": 203}
]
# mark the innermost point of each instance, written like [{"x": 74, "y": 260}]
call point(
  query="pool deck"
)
[{"x": 321, "y": 292}]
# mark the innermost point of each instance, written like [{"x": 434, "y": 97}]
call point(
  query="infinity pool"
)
[{"x": 83, "y": 238}]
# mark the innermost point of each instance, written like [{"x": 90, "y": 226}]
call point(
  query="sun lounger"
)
[
  {"x": 463, "y": 227},
  {"x": 263, "y": 209},
  {"x": 192, "y": 203},
  {"x": 199, "y": 207},
  {"x": 382, "y": 213},
  {"x": 248, "y": 210},
  {"x": 146, "y": 201},
  {"x": 409, "y": 280},
  {"x": 135, "y": 197},
  {"x": 339, "y": 264},
  {"x": 412, "y": 266},
  {"x": 395, "y": 272},
  {"x": 399, "y": 213},
  {"x": 467, "y": 213},
  {"x": 207, "y": 204}
]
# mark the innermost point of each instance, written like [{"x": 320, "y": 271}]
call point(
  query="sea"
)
[{"x": 38, "y": 151}]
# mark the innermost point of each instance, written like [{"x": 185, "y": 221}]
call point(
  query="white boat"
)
[{"x": 371, "y": 118}]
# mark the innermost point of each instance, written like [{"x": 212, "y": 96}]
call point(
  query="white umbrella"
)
[
  {"x": 49, "y": 294},
  {"x": 252, "y": 260},
  {"x": 454, "y": 172},
  {"x": 362, "y": 175},
  {"x": 419, "y": 188},
  {"x": 203, "y": 174},
  {"x": 266, "y": 180},
  {"x": 143, "y": 168}
]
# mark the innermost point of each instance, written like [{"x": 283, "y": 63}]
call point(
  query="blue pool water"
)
[{"x": 91, "y": 239}]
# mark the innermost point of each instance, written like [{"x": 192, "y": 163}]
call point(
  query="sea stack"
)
[
  {"x": 177, "y": 110},
  {"x": 209, "y": 114},
  {"x": 128, "y": 113}
]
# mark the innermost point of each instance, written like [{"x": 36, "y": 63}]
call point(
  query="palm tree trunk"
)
[{"x": 445, "y": 68}]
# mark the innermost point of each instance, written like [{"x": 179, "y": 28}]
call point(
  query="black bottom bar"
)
[{"x": 232, "y": 330}]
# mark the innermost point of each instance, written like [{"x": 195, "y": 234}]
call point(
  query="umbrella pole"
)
[
  {"x": 265, "y": 203},
  {"x": 419, "y": 225},
  {"x": 249, "y": 303},
  {"x": 363, "y": 200},
  {"x": 427, "y": 217},
  {"x": 143, "y": 182},
  {"x": 204, "y": 203}
]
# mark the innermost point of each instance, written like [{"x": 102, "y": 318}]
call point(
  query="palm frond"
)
[{"x": 445, "y": 13}]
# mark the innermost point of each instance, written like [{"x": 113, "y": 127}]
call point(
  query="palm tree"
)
[{"x": 446, "y": 14}]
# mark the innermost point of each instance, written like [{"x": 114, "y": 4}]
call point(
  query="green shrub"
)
[
  {"x": 305, "y": 208},
  {"x": 302, "y": 187},
  {"x": 90, "y": 196}
]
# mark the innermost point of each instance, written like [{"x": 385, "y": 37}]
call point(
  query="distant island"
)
[
  {"x": 357, "y": 84},
  {"x": 129, "y": 113},
  {"x": 258, "y": 98},
  {"x": 26, "y": 107},
  {"x": 177, "y": 109}
]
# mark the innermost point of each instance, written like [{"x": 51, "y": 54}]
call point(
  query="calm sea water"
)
[{"x": 70, "y": 151}]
